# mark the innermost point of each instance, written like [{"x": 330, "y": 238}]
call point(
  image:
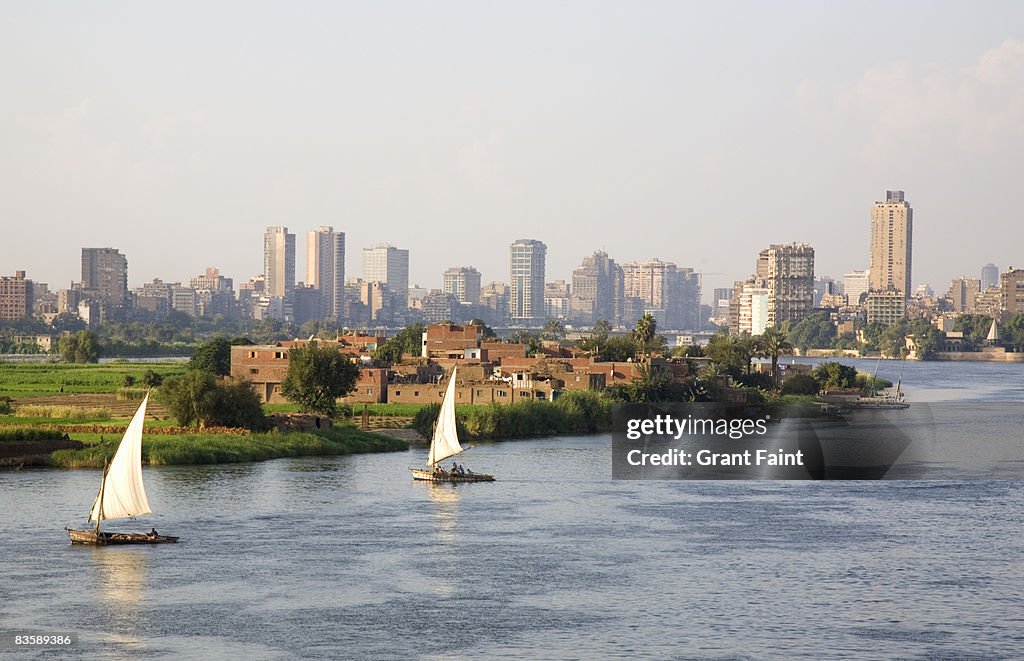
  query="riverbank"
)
[{"x": 200, "y": 448}]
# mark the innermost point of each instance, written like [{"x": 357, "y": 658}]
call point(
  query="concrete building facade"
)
[
  {"x": 463, "y": 282},
  {"x": 788, "y": 273},
  {"x": 892, "y": 232},
  {"x": 325, "y": 269},
  {"x": 15, "y": 297},
  {"x": 278, "y": 262},
  {"x": 389, "y": 265},
  {"x": 527, "y": 263}
]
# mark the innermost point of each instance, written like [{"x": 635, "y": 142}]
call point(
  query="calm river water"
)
[{"x": 348, "y": 558}]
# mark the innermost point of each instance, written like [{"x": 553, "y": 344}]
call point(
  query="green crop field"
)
[{"x": 40, "y": 379}]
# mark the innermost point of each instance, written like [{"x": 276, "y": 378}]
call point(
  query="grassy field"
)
[
  {"x": 75, "y": 397},
  {"x": 200, "y": 448},
  {"x": 20, "y": 380}
]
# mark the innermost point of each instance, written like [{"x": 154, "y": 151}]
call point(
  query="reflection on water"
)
[
  {"x": 445, "y": 498},
  {"x": 120, "y": 579}
]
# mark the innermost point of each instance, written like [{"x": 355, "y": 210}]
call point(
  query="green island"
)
[
  {"x": 72, "y": 414},
  {"x": 45, "y": 407}
]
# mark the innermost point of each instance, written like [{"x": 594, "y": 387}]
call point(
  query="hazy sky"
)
[{"x": 695, "y": 132}]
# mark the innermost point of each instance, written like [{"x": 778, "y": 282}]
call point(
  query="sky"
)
[{"x": 695, "y": 132}]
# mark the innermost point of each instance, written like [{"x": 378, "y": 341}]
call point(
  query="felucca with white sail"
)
[
  {"x": 445, "y": 445},
  {"x": 122, "y": 494}
]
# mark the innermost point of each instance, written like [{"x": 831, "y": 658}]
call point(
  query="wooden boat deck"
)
[{"x": 112, "y": 538}]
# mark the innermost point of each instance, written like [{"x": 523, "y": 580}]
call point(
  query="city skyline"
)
[{"x": 155, "y": 155}]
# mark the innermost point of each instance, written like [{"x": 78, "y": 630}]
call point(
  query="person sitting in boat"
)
[{"x": 151, "y": 534}]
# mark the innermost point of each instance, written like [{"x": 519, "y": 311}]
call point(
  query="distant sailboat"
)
[
  {"x": 445, "y": 444},
  {"x": 122, "y": 493}
]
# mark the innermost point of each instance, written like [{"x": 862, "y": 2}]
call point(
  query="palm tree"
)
[
  {"x": 554, "y": 330},
  {"x": 775, "y": 342},
  {"x": 644, "y": 331}
]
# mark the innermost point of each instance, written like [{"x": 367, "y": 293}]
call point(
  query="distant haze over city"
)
[{"x": 697, "y": 134}]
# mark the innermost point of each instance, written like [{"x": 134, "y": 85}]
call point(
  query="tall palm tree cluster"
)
[{"x": 731, "y": 354}]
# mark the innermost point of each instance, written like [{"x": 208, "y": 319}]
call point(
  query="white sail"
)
[
  {"x": 446, "y": 438},
  {"x": 122, "y": 494}
]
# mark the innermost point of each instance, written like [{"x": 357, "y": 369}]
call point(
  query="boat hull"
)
[
  {"x": 90, "y": 537},
  {"x": 428, "y": 475}
]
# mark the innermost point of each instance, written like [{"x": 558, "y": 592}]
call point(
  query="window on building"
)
[
  {"x": 252, "y": 354},
  {"x": 253, "y": 370},
  {"x": 398, "y": 393},
  {"x": 369, "y": 391}
]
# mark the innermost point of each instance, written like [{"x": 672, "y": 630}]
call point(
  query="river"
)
[{"x": 348, "y": 558}]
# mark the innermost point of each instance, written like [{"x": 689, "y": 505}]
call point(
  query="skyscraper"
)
[
  {"x": 279, "y": 262},
  {"x": 856, "y": 283},
  {"x": 989, "y": 276},
  {"x": 388, "y": 265},
  {"x": 892, "y": 230},
  {"x": 527, "y": 263},
  {"x": 788, "y": 273},
  {"x": 670, "y": 293},
  {"x": 597, "y": 286},
  {"x": 325, "y": 269},
  {"x": 962, "y": 292},
  {"x": 105, "y": 275},
  {"x": 463, "y": 282}
]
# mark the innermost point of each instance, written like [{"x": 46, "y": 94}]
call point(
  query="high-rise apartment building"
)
[
  {"x": 597, "y": 286},
  {"x": 989, "y": 276},
  {"x": 390, "y": 266},
  {"x": 668, "y": 292},
  {"x": 463, "y": 282},
  {"x": 105, "y": 276},
  {"x": 1011, "y": 290},
  {"x": 325, "y": 269},
  {"x": 892, "y": 231},
  {"x": 962, "y": 292},
  {"x": 526, "y": 294},
  {"x": 856, "y": 284},
  {"x": 788, "y": 274},
  {"x": 556, "y": 299},
  {"x": 15, "y": 297},
  {"x": 278, "y": 262}
]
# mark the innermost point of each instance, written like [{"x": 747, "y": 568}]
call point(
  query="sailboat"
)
[
  {"x": 445, "y": 444},
  {"x": 882, "y": 401},
  {"x": 122, "y": 493}
]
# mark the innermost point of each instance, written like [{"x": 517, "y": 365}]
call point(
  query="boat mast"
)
[{"x": 99, "y": 496}]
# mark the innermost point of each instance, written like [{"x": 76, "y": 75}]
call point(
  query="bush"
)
[
  {"x": 577, "y": 412},
  {"x": 800, "y": 384},
  {"x": 200, "y": 398}
]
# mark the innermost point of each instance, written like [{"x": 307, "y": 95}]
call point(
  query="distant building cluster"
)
[{"x": 782, "y": 289}]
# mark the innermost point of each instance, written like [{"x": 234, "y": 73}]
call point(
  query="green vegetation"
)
[
  {"x": 409, "y": 340},
  {"x": 82, "y": 347},
  {"x": 578, "y": 412},
  {"x": 213, "y": 357},
  {"x": 29, "y": 434},
  {"x": 199, "y": 398},
  {"x": 816, "y": 331},
  {"x": 801, "y": 384},
  {"x": 37, "y": 379},
  {"x": 317, "y": 376},
  {"x": 220, "y": 449},
  {"x": 75, "y": 413}
]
